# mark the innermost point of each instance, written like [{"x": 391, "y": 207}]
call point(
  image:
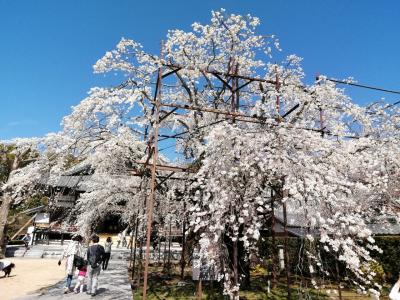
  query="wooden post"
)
[
  {"x": 233, "y": 88},
  {"x": 235, "y": 269},
  {"x": 183, "y": 262},
  {"x": 169, "y": 250},
  {"x": 34, "y": 236},
  {"x": 286, "y": 257},
  {"x": 199, "y": 290},
  {"x": 159, "y": 250},
  {"x": 321, "y": 112},
  {"x": 278, "y": 100},
  {"x": 274, "y": 253},
  {"x": 150, "y": 204},
  {"x": 139, "y": 273},
  {"x": 338, "y": 277},
  {"x": 134, "y": 249},
  {"x": 131, "y": 244}
]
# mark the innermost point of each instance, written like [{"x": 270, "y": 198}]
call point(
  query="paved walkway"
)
[{"x": 113, "y": 284}]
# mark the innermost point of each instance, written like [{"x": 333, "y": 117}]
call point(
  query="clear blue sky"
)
[{"x": 48, "y": 47}]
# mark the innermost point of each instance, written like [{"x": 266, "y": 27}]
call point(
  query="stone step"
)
[
  {"x": 34, "y": 253},
  {"x": 15, "y": 252},
  {"x": 52, "y": 253}
]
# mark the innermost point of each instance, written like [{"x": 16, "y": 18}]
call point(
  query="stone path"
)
[{"x": 113, "y": 284}]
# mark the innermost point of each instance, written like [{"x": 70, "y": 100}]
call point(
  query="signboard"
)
[
  {"x": 42, "y": 218},
  {"x": 65, "y": 200}
]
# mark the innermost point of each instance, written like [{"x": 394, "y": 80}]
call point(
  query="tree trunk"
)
[
  {"x": 4, "y": 209},
  {"x": 6, "y": 204}
]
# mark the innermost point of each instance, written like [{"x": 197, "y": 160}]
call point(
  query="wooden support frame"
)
[
  {"x": 230, "y": 80},
  {"x": 151, "y": 199}
]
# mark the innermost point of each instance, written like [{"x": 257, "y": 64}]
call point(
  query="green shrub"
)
[{"x": 389, "y": 259}]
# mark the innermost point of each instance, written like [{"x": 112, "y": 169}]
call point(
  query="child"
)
[{"x": 81, "y": 279}]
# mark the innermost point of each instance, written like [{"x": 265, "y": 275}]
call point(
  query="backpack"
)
[{"x": 79, "y": 262}]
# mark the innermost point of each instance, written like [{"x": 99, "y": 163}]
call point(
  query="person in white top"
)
[
  {"x": 74, "y": 248},
  {"x": 394, "y": 293},
  {"x": 107, "y": 252},
  {"x": 119, "y": 239},
  {"x": 124, "y": 237}
]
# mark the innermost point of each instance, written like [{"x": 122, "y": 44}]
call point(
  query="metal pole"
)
[{"x": 150, "y": 206}]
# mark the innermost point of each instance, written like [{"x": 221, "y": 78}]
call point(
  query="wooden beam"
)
[{"x": 23, "y": 227}]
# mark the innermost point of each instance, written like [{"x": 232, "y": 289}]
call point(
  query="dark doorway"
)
[{"x": 111, "y": 224}]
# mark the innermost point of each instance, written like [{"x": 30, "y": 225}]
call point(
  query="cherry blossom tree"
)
[
  {"x": 251, "y": 128},
  {"x": 324, "y": 159}
]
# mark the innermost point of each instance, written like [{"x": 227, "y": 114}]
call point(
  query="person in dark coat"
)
[{"x": 95, "y": 257}]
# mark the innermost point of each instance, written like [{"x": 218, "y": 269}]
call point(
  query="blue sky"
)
[{"x": 47, "y": 47}]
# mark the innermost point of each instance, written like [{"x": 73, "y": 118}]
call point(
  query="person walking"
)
[
  {"x": 119, "y": 239},
  {"x": 80, "y": 283},
  {"x": 73, "y": 249},
  {"x": 107, "y": 252},
  {"x": 124, "y": 237},
  {"x": 95, "y": 256},
  {"x": 130, "y": 243},
  {"x": 27, "y": 240}
]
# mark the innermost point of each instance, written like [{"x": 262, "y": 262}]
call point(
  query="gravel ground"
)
[{"x": 30, "y": 275}]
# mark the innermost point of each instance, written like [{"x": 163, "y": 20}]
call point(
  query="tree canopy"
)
[{"x": 256, "y": 132}]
